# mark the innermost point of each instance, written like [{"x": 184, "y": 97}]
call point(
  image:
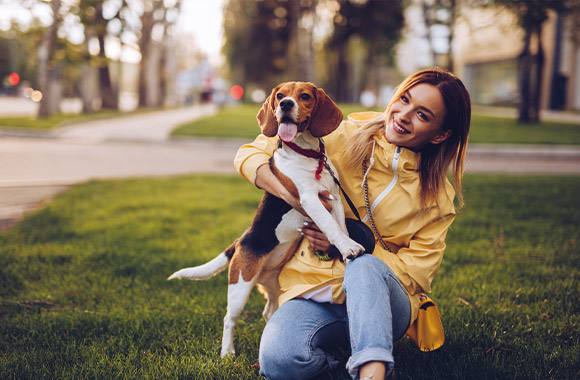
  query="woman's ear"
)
[
  {"x": 442, "y": 136},
  {"x": 326, "y": 116},
  {"x": 267, "y": 117}
]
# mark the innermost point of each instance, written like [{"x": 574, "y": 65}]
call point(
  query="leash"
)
[
  {"x": 322, "y": 163},
  {"x": 374, "y": 229},
  {"x": 346, "y": 197}
]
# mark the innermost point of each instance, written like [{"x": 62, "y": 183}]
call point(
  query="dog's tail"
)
[{"x": 209, "y": 269}]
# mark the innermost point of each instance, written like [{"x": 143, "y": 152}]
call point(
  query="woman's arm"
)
[
  {"x": 266, "y": 180},
  {"x": 424, "y": 254},
  {"x": 252, "y": 162}
]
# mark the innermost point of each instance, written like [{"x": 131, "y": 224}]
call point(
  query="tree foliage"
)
[
  {"x": 377, "y": 23},
  {"x": 257, "y": 38},
  {"x": 270, "y": 40}
]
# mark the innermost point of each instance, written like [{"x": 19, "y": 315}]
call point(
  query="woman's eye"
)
[
  {"x": 305, "y": 97},
  {"x": 279, "y": 96},
  {"x": 404, "y": 99},
  {"x": 422, "y": 116}
]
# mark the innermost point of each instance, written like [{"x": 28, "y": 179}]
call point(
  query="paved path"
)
[{"x": 33, "y": 168}]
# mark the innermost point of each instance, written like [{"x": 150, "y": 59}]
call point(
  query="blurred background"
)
[{"x": 84, "y": 56}]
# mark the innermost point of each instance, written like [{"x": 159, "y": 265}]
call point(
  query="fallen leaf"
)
[{"x": 463, "y": 301}]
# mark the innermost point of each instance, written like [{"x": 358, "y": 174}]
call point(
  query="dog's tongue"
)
[{"x": 287, "y": 131}]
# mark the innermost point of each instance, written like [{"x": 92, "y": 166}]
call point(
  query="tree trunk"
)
[
  {"x": 428, "y": 23},
  {"x": 537, "y": 94},
  {"x": 453, "y": 14},
  {"x": 109, "y": 97},
  {"x": 342, "y": 75},
  {"x": 152, "y": 76},
  {"x": 86, "y": 85},
  {"x": 524, "y": 80},
  {"x": 108, "y": 94},
  {"x": 45, "y": 74},
  {"x": 147, "y": 23}
]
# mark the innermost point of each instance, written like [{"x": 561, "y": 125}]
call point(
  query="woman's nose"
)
[{"x": 405, "y": 114}]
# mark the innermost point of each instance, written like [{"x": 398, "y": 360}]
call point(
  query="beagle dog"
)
[{"x": 299, "y": 114}]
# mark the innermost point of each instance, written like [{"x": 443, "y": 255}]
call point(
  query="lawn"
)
[
  {"x": 240, "y": 122},
  {"x": 84, "y": 294}
]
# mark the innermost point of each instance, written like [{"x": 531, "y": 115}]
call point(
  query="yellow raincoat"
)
[{"x": 417, "y": 241}]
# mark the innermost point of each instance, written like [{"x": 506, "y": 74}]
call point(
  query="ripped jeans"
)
[{"x": 304, "y": 338}]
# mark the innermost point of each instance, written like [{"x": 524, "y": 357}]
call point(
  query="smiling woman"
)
[{"x": 415, "y": 119}]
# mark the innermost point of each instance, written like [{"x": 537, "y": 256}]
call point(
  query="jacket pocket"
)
[{"x": 305, "y": 255}]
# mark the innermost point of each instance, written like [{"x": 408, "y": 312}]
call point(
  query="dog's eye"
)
[
  {"x": 305, "y": 97},
  {"x": 279, "y": 96}
]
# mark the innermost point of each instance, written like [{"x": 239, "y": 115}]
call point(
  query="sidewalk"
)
[{"x": 33, "y": 168}]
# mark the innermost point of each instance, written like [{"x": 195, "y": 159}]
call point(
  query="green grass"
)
[
  {"x": 84, "y": 293},
  {"x": 240, "y": 122},
  {"x": 495, "y": 130}
]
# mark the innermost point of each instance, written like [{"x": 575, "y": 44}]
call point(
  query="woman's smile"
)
[{"x": 397, "y": 127}]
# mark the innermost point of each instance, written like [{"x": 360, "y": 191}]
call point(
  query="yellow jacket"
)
[{"x": 393, "y": 182}]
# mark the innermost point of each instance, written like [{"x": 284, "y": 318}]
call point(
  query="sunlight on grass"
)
[{"x": 84, "y": 291}]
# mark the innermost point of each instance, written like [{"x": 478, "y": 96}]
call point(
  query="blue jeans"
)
[{"x": 304, "y": 338}]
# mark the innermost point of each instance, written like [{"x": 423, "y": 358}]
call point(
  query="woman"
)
[{"x": 401, "y": 157}]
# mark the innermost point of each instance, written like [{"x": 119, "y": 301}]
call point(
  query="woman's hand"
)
[
  {"x": 317, "y": 239},
  {"x": 267, "y": 181}
]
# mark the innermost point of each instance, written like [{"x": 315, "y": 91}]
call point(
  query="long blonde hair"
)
[{"x": 434, "y": 159}]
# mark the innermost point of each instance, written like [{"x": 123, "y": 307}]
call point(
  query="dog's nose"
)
[{"x": 286, "y": 105}]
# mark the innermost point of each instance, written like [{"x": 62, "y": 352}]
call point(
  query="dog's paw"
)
[
  {"x": 228, "y": 351},
  {"x": 350, "y": 250}
]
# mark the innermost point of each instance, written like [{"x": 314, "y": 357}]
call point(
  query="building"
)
[{"x": 485, "y": 49}]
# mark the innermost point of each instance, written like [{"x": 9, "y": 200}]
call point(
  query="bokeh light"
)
[
  {"x": 237, "y": 92},
  {"x": 14, "y": 79}
]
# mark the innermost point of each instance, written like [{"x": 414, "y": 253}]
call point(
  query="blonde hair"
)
[{"x": 434, "y": 159}]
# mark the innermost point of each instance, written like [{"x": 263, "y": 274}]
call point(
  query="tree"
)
[
  {"x": 531, "y": 15},
  {"x": 92, "y": 17},
  {"x": 156, "y": 20},
  {"x": 378, "y": 24},
  {"x": 257, "y": 39},
  {"x": 440, "y": 13},
  {"x": 47, "y": 70}
]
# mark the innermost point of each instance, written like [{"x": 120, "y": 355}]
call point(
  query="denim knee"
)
[
  {"x": 288, "y": 349},
  {"x": 363, "y": 268}
]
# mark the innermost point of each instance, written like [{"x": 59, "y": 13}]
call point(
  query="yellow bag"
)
[{"x": 427, "y": 330}]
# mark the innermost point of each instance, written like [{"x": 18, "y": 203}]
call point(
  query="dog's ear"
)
[
  {"x": 267, "y": 117},
  {"x": 326, "y": 116}
]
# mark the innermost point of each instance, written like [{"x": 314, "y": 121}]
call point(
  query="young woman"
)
[{"x": 400, "y": 159}]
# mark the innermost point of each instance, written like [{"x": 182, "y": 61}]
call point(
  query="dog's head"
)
[{"x": 294, "y": 107}]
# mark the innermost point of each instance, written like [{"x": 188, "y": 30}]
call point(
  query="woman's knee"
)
[
  {"x": 363, "y": 267},
  {"x": 284, "y": 360},
  {"x": 286, "y": 346}
]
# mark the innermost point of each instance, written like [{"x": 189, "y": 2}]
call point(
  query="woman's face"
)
[{"x": 415, "y": 119}]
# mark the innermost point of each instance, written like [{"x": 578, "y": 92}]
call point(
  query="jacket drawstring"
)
[{"x": 372, "y": 162}]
